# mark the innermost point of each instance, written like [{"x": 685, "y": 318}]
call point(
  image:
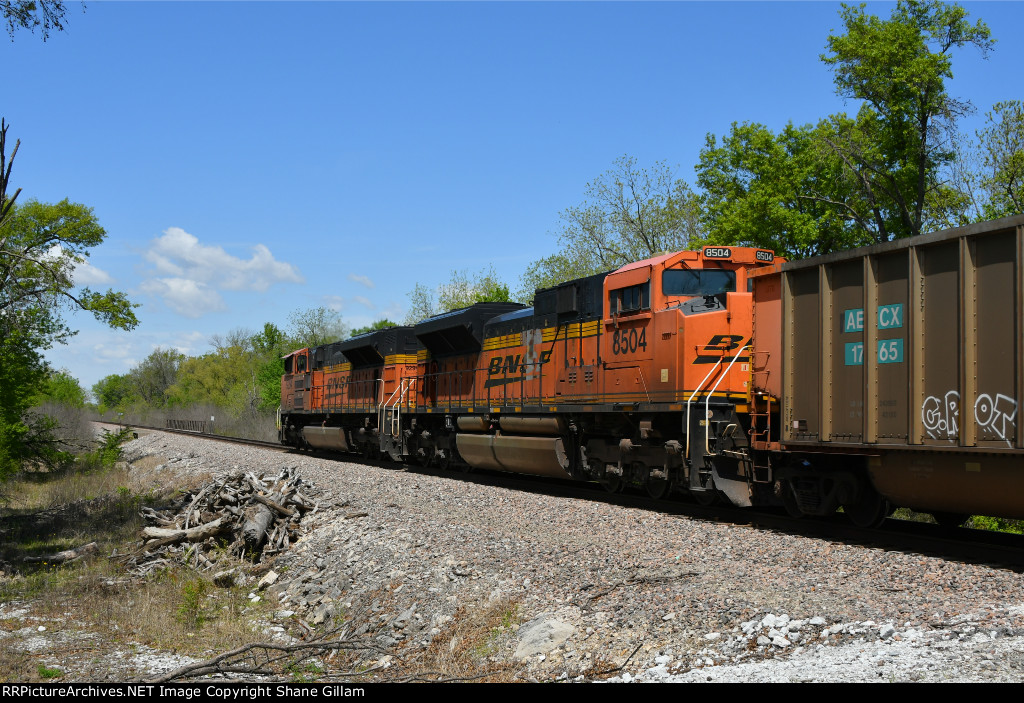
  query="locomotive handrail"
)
[
  {"x": 707, "y": 404},
  {"x": 688, "y": 402}
]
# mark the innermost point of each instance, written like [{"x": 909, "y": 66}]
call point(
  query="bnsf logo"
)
[
  {"x": 514, "y": 363},
  {"x": 722, "y": 346},
  {"x": 717, "y": 253},
  {"x": 766, "y": 256}
]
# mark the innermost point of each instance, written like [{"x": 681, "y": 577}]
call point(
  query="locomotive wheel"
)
[
  {"x": 444, "y": 459},
  {"x": 658, "y": 488},
  {"x": 425, "y": 456},
  {"x": 870, "y": 511},
  {"x": 612, "y": 483},
  {"x": 789, "y": 501},
  {"x": 370, "y": 452}
]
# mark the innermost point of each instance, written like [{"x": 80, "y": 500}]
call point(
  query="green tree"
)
[
  {"x": 155, "y": 375},
  {"x": 315, "y": 326},
  {"x": 40, "y": 245},
  {"x": 767, "y": 190},
  {"x": 24, "y": 435},
  {"x": 270, "y": 344},
  {"x": 630, "y": 213},
  {"x": 459, "y": 292},
  {"x": 113, "y": 392},
  {"x": 62, "y": 388},
  {"x": 46, "y": 15},
  {"x": 227, "y": 377},
  {"x": 893, "y": 150},
  {"x": 1002, "y": 147},
  {"x": 381, "y": 324}
]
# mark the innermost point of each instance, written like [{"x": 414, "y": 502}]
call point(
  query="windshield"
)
[{"x": 690, "y": 283}]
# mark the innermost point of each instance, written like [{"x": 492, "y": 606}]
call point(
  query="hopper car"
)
[{"x": 864, "y": 380}]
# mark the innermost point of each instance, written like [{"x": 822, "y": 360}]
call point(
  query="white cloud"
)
[
  {"x": 194, "y": 272},
  {"x": 362, "y": 280},
  {"x": 85, "y": 274},
  {"x": 82, "y": 272},
  {"x": 185, "y": 296},
  {"x": 338, "y": 303},
  {"x": 106, "y": 352},
  {"x": 179, "y": 254}
]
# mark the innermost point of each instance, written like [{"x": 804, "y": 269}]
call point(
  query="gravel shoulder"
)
[{"x": 592, "y": 587}]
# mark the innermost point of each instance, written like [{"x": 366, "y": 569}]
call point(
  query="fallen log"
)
[
  {"x": 274, "y": 504},
  {"x": 255, "y": 527},
  {"x": 193, "y": 534},
  {"x": 67, "y": 555}
]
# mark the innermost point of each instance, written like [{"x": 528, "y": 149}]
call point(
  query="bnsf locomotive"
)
[{"x": 883, "y": 376}]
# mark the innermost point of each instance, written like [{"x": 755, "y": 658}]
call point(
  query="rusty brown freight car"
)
[{"x": 907, "y": 356}]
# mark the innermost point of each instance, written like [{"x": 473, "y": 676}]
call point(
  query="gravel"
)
[{"x": 600, "y": 586}]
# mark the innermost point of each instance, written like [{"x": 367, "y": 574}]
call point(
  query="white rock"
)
[
  {"x": 542, "y": 634},
  {"x": 712, "y": 636},
  {"x": 269, "y": 579},
  {"x": 886, "y": 631},
  {"x": 780, "y": 642}
]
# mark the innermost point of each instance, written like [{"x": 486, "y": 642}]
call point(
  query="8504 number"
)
[{"x": 629, "y": 341}]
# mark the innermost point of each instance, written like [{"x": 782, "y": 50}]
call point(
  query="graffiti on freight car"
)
[
  {"x": 940, "y": 416},
  {"x": 998, "y": 417}
]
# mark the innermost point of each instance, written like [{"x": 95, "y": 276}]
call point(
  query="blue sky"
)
[{"x": 251, "y": 159}]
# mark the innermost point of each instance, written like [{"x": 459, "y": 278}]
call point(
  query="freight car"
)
[{"x": 723, "y": 373}]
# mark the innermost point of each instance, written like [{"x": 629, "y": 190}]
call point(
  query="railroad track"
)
[{"x": 960, "y": 544}]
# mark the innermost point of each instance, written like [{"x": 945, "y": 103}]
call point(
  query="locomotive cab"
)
[{"x": 672, "y": 319}]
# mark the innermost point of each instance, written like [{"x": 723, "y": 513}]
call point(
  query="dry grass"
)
[
  {"x": 176, "y": 609},
  {"x": 474, "y": 646}
]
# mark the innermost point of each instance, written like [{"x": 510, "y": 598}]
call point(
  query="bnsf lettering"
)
[
  {"x": 766, "y": 256},
  {"x": 510, "y": 364},
  {"x": 514, "y": 363},
  {"x": 717, "y": 253}
]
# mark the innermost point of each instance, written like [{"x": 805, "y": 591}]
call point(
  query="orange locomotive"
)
[
  {"x": 636, "y": 377},
  {"x": 887, "y": 375}
]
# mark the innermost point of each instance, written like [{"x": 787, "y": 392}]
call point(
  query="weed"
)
[
  {"x": 46, "y": 672},
  {"x": 307, "y": 672},
  {"x": 910, "y": 515},
  {"x": 997, "y": 524},
  {"x": 190, "y": 609}
]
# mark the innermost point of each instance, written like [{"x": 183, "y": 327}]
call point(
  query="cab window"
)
[
  {"x": 631, "y": 298},
  {"x": 689, "y": 283}
]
